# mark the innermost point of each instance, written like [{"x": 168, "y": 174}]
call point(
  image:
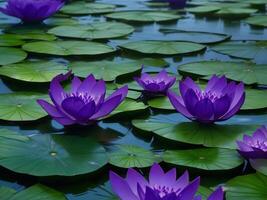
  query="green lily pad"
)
[
  {"x": 253, "y": 101},
  {"x": 177, "y": 128},
  {"x": 194, "y": 36},
  {"x": 163, "y": 47},
  {"x": 9, "y": 55},
  {"x": 99, "y": 30},
  {"x": 257, "y": 20},
  {"x": 129, "y": 105},
  {"x": 84, "y": 8},
  {"x": 203, "y": 9},
  {"x": 248, "y": 50},
  {"x": 127, "y": 156},
  {"x": 205, "y": 158},
  {"x": 6, "y": 193},
  {"x": 143, "y": 16},
  {"x": 10, "y": 42},
  {"x": 41, "y": 71},
  {"x": 249, "y": 187},
  {"x": 260, "y": 165},
  {"x": 21, "y": 106},
  {"x": 109, "y": 70},
  {"x": 67, "y": 48},
  {"x": 65, "y": 155},
  {"x": 57, "y": 21},
  {"x": 236, "y": 12},
  {"x": 38, "y": 192},
  {"x": 9, "y": 134},
  {"x": 249, "y": 73}
]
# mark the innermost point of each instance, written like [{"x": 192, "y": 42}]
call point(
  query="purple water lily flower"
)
[
  {"x": 84, "y": 104},
  {"x": 161, "y": 186},
  {"x": 32, "y": 10},
  {"x": 159, "y": 83},
  {"x": 219, "y": 101},
  {"x": 255, "y": 146}
]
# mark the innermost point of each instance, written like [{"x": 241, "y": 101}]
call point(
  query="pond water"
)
[{"x": 120, "y": 129}]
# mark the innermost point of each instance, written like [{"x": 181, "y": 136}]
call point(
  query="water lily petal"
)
[
  {"x": 218, "y": 194},
  {"x": 133, "y": 179},
  {"x": 186, "y": 84}
]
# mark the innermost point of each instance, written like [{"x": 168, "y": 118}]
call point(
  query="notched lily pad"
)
[
  {"x": 67, "y": 48},
  {"x": 127, "y": 156},
  {"x": 249, "y": 50},
  {"x": 109, "y": 70},
  {"x": 249, "y": 73},
  {"x": 21, "y": 106},
  {"x": 65, "y": 155},
  {"x": 83, "y": 8},
  {"x": 163, "y": 47},
  {"x": 205, "y": 158},
  {"x": 99, "y": 30},
  {"x": 143, "y": 16},
  {"x": 177, "y": 128},
  {"x": 249, "y": 187},
  {"x": 9, "y": 55},
  {"x": 38, "y": 71},
  {"x": 260, "y": 20}
]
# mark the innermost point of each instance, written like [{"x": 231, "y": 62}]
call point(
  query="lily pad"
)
[
  {"x": 249, "y": 187},
  {"x": 205, "y": 158},
  {"x": 38, "y": 192},
  {"x": 248, "y": 50},
  {"x": 10, "y": 42},
  {"x": 83, "y": 8},
  {"x": 6, "y": 193},
  {"x": 203, "y": 9},
  {"x": 236, "y": 12},
  {"x": 99, "y": 30},
  {"x": 252, "y": 102},
  {"x": 57, "y": 21},
  {"x": 257, "y": 20},
  {"x": 177, "y": 128},
  {"x": 260, "y": 165},
  {"x": 65, "y": 155},
  {"x": 109, "y": 70},
  {"x": 9, "y": 134},
  {"x": 127, "y": 156},
  {"x": 129, "y": 105},
  {"x": 67, "y": 48},
  {"x": 194, "y": 36},
  {"x": 9, "y": 55},
  {"x": 41, "y": 71},
  {"x": 249, "y": 73},
  {"x": 21, "y": 106},
  {"x": 163, "y": 47},
  {"x": 144, "y": 16}
]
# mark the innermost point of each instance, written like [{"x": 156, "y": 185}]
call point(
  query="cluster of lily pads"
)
[{"x": 213, "y": 121}]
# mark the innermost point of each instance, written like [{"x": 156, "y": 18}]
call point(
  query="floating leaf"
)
[
  {"x": 38, "y": 192},
  {"x": 129, "y": 105},
  {"x": 178, "y": 128},
  {"x": 99, "y": 30},
  {"x": 66, "y": 48},
  {"x": 260, "y": 165},
  {"x": 205, "y": 158},
  {"x": 257, "y": 20},
  {"x": 249, "y": 73},
  {"x": 236, "y": 12},
  {"x": 163, "y": 47},
  {"x": 8, "y": 134},
  {"x": 194, "y": 36},
  {"x": 249, "y": 50},
  {"x": 109, "y": 70},
  {"x": 144, "y": 16},
  {"x": 41, "y": 71},
  {"x": 127, "y": 156},
  {"x": 203, "y": 9},
  {"x": 21, "y": 106},
  {"x": 249, "y": 187},
  {"x": 10, "y": 42},
  {"x": 83, "y": 8},
  {"x": 6, "y": 193},
  {"x": 9, "y": 55},
  {"x": 65, "y": 155}
]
